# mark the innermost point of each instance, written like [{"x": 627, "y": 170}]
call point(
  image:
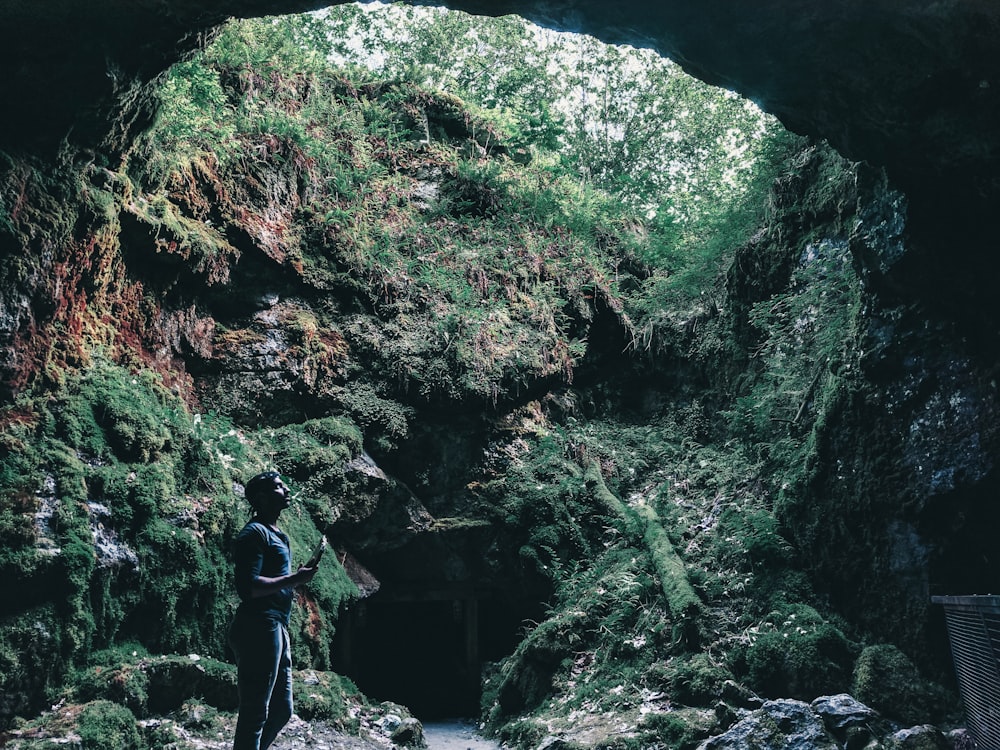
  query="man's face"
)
[{"x": 277, "y": 497}]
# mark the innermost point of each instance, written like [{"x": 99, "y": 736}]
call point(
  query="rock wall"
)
[
  {"x": 892, "y": 501},
  {"x": 900, "y": 494}
]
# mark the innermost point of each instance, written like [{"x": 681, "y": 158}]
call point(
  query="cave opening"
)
[
  {"x": 960, "y": 526},
  {"x": 428, "y": 649}
]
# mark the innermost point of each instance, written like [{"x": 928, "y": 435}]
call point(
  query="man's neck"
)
[{"x": 269, "y": 519}]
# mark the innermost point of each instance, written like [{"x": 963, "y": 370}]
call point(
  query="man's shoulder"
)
[
  {"x": 254, "y": 529},
  {"x": 258, "y": 530}
]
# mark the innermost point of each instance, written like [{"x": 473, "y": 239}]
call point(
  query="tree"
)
[{"x": 624, "y": 119}]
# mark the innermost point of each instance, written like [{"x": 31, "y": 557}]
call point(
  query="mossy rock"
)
[
  {"x": 326, "y": 696},
  {"x": 525, "y": 732},
  {"x": 94, "y": 725},
  {"x": 105, "y": 725},
  {"x": 886, "y": 680},
  {"x": 172, "y": 680},
  {"x": 682, "y": 729},
  {"x": 159, "y": 685},
  {"x": 127, "y": 685},
  {"x": 696, "y": 681},
  {"x": 30, "y": 659},
  {"x": 802, "y": 656}
]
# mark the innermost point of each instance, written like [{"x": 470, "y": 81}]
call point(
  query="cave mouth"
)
[{"x": 426, "y": 649}]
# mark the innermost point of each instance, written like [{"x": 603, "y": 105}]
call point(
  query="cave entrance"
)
[{"x": 425, "y": 648}]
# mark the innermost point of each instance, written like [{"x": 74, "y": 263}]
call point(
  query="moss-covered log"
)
[{"x": 642, "y": 522}]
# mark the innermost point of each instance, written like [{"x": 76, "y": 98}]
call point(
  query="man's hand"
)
[{"x": 303, "y": 575}]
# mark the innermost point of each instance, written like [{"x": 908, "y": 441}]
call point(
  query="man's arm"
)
[
  {"x": 263, "y": 586},
  {"x": 249, "y": 554}
]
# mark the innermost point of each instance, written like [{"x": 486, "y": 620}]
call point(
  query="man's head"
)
[{"x": 267, "y": 494}]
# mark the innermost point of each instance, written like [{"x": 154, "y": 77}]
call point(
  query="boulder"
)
[{"x": 777, "y": 725}]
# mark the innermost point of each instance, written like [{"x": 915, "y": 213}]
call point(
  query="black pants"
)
[{"x": 264, "y": 669}]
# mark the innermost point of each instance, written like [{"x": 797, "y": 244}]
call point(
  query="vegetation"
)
[
  {"x": 132, "y": 512},
  {"x": 645, "y": 313}
]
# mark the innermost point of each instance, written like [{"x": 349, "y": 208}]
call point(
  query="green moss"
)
[
  {"x": 155, "y": 685},
  {"x": 313, "y": 619},
  {"x": 186, "y": 582},
  {"x": 695, "y": 680},
  {"x": 384, "y": 421},
  {"x": 103, "y": 725},
  {"x": 595, "y": 650},
  {"x": 32, "y": 659},
  {"x": 683, "y": 729},
  {"x": 326, "y": 696},
  {"x": 119, "y": 451},
  {"x": 126, "y": 684},
  {"x": 107, "y": 413},
  {"x": 24, "y": 502},
  {"x": 680, "y": 597},
  {"x": 523, "y": 732},
  {"x": 888, "y": 681},
  {"x": 796, "y": 653}
]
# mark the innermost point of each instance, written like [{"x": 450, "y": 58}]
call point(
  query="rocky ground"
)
[
  {"x": 297, "y": 735},
  {"x": 217, "y": 734}
]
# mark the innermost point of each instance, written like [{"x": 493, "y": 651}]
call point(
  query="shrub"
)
[
  {"x": 697, "y": 681},
  {"x": 797, "y": 654},
  {"x": 104, "y": 725}
]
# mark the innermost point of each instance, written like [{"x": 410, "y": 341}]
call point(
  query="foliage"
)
[
  {"x": 577, "y": 658},
  {"x": 104, "y": 725},
  {"x": 137, "y": 504},
  {"x": 542, "y": 498},
  {"x": 698, "y": 160},
  {"x": 795, "y": 652},
  {"x": 886, "y": 680},
  {"x": 621, "y": 117},
  {"x": 478, "y": 302}
]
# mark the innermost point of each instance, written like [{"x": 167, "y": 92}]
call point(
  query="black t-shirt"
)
[{"x": 263, "y": 551}]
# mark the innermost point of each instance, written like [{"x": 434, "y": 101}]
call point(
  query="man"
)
[{"x": 259, "y": 634}]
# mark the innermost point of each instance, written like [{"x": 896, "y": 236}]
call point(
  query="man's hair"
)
[{"x": 258, "y": 487}]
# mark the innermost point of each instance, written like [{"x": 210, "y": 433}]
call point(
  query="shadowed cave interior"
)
[
  {"x": 436, "y": 622},
  {"x": 426, "y": 651}
]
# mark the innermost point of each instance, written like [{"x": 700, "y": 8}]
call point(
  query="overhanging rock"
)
[{"x": 912, "y": 85}]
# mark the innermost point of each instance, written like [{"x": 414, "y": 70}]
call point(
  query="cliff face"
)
[
  {"x": 259, "y": 297},
  {"x": 903, "y": 446},
  {"x": 303, "y": 296}
]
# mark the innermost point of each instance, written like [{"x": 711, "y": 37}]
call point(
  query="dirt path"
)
[{"x": 455, "y": 735}]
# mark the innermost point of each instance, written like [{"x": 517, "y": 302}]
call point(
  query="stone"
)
[
  {"x": 842, "y": 711},
  {"x": 922, "y": 737},
  {"x": 777, "y": 725},
  {"x": 408, "y": 732}
]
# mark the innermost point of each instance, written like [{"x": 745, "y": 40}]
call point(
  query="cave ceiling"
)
[{"x": 910, "y": 85}]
